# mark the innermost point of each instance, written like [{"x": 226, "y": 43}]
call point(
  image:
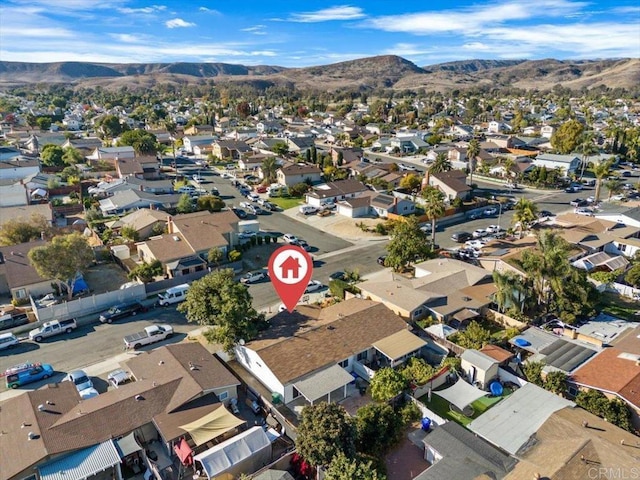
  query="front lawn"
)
[
  {"x": 618, "y": 306},
  {"x": 286, "y": 203}
]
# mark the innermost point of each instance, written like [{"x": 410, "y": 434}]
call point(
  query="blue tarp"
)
[{"x": 79, "y": 286}]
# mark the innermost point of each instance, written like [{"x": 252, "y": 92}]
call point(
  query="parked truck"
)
[
  {"x": 54, "y": 327},
  {"x": 150, "y": 334}
]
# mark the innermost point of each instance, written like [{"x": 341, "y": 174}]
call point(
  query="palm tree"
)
[
  {"x": 508, "y": 164},
  {"x": 439, "y": 165},
  {"x": 614, "y": 186},
  {"x": 510, "y": 290},
  {"x": 601, "y": 170},
  {"x": 525, "y": 213},
  {"x": 269, "y": 168},
  {"x": 473, "y": 150},
  {"x": 587, "y": 148},
  {"x": 434, "y": 207}
]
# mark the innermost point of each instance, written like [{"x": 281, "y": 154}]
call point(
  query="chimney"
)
[{"x": 169, "y": 224}]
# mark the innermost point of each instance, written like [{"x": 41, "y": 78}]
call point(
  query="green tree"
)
[
  {"x": 632, "y": 276},
  {"x": 146, "y": 272},
  {"x": 62, "y": 259},
  {"x": 143, "y": 142},
  {"x": 269, "y": 168},
  {"x": 434, "y": 207},
  {"x": 407, "y": 243},
  {"x": 525, "y": 212},
  {"x": 348, "y": 468},
  {"x": 129, "y": 233},
  {"x": 474, "y": 336},
  {"x": 410, "y": 182},
  {"x": 280, "y": 148},
  {"x": 533, "y": 372},
  {"x": 587, "y": 148},
  {"x": 215, "y": 256},
  {"x": 510, "y": 290},
  {"x": 417, "y": 371},
  {"x": 567, "y": 137},
  {"x": 109, "y": 127},
  {"x": 439, "y": 165},
  {"x": 613, "y": 411},
  {"x": 185, "y": 205},
  {"x": 556, "y": 382},
  {"x": 211, "y": 203},
  {"x": 386, "y": 384},
  {"x": 220, "y": 302},
  {"x": 325, "y": 431},
  {"x": 378, "y": 427},
  {"x": 614, "y": 187},
  {"x": 51, "y": 155},
  {"x": 44, "y": 123},
  {"x": 601, "y": 171},
  {"x": 299, "y": 189},
  {"x": 17, "y": 230},
  {"x": 473, "y": 150},
  {"x": 71, "y": 156}
]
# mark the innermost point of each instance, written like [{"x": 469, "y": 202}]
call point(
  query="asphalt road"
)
[{"x": 93, "y": 343}]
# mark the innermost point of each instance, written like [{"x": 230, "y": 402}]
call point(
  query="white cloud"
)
[
  {"x": 209, "y": 10},
  {"x": 407, "y": 50},
  {"x": 179, "y": 23},
  {"x": 143, "y": 10},
  {"x": 79, "y": 5},
  {"x": 17, "y": 32},
  {"x": 255, "y": 30},
  {"x": 343, "y": 12},
  {"x": 127, "y": 37}
]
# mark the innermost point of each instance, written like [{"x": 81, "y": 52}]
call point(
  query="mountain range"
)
[{"x": 387, "y": 71}]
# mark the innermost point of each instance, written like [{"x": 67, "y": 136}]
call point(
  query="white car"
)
[
  {"x": 197, "y": 178},
  {"x": 80, "y": 379},
  {"x": 479, "y": 233},
  {"x": 408, "y": 168},
  {"x": 584, "y": 211},
  {"x": 493, "y": 229},
  {"x": 253, "y": 197},
  {"x": 253, "y": 277},
  {"x": 477, "y": 244},
  {"x": 290, "y": 238},
  {"x": 313, "y": 286}
]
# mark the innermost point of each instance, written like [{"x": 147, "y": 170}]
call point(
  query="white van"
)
[
  {"x": 173, "y": 295},
  {"x": 8, "y": 340},
  {"x": 308, "y": 209}
]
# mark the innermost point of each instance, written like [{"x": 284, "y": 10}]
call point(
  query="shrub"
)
[
  {"x": 410, "y": 413},
  {"x": 235, "y": 255},
  {"x": 337, "y": 288}
]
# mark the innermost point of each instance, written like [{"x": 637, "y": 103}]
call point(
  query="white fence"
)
[
  {"x": 436, "y": 420},
  {"x": 626, "y": 290},
  {"x": 505, "y": 376},
  {"x": 88, "y": 305}
]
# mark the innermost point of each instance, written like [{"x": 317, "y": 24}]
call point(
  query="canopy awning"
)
[
  {"x": 81, "y": 464},
  {"x": 321, "y": 383},
  {"x": 212, "y": 425},
  {"x": 127, "y": 445},
  {"x": 399, "y": 344},
  {"x": 465, "y": 314},
  {"x": 461, "y": 394},
  {"x": 184, "y": 452}
]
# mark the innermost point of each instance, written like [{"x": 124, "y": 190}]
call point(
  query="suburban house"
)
[
  {"x": 269, "y": 126},
  {"x": 17, "y": 277},
  {"x": 194, "y": 130},
  {"x": 626, "y": 216},
  {"x": 8, "y": 153},
  {"x": 299, "y": 145},
  {"x": 567, "y": 164},
  {"x": 452, "y": 183},
  {"x": 313, "y": 353},
  {"x": 185, "y": 247},
  {"x": 26, "y": 211},
  {"x": 571, "y": 443},
  {"x": 18, "y": 168},
  {"x": 252, "y": 163},
  {"x": 129, "y": 199},
  {"x": 14, "y": 194},
  {"x": 332, "y": 192},
  {"x": 444, "y": 288},
  {"x": 456, "y": 453},
  {"x": 294, "y": 173},
  {"x": 615, "y": 372},
  {"x": 407, "y": 145},
  {"x": 51, "y": 432},
  {"x": 111, "y": 153},
  {"x": 383, "y": 205},
  {"x": 144, "y": 221},
  {"x": 85, "y": 145},
  {"x": 146, "y": 167},
  {"x": 231, "y": 149},
  {"x": 355, "y": 207},
  {"x": 191, "y": 142},
  {"x": 547, "y": 131}
]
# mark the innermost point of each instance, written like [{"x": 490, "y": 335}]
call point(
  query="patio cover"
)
[
  {"x": 127, "y": 445},
  {"x": 212, "y": 425},
  {"x": 319, "y": 384},
  {"x": 229, "y": 453},
  {"x": 461, "y": 394},
  {"x": 81, "y": 464},
  {"x": 465, "y": 314},
  {"x": 399, "y": 344}
]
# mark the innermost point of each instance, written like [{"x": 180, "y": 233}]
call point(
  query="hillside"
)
[{"x": 386, "y": 71}]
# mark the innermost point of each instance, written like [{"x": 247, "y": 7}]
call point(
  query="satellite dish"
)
[{"x": 241, "y": 341}]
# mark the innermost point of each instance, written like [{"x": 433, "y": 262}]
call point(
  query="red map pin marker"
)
[{"x": 290, "y": 269}]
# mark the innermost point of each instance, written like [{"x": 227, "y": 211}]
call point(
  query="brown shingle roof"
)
[
  {"x": 17, "y": 267},
  {"x": 204, "y": 230},
  {"x": 174, "y": 362},
  {"x": 300, "y": 169},
  {"x": 497, "y": 353},
  {"x": 167, "y": 248},
  {"x": 345, "y": 336},
  {"x": 168, "y": 424}
]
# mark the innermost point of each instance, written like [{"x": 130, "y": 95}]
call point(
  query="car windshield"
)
[
  {"x": 80, "y": 380},
  {"x": 113, "y": 309}
]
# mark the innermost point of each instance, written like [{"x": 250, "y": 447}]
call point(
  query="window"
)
[
  {"x": 573, "y": 391},
  {"x": 223, "y": 396},
  {"x": 296, "y": 393},
  {"x": 362, "y": 355},
  {"x": 21, "y": 293},
  {"x": 185, "y": 271},
  {"x": 344, "y": 363}
]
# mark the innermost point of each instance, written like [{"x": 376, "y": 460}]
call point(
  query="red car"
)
[{"x": 261, "y": 189}]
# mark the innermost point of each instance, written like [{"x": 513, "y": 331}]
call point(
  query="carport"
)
[
  {"x": 325, "y": 384},
  {"x": 399, "y": 346},
  {"x": 97, "y": 461}
]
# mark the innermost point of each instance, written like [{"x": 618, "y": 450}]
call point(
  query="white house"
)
[
  {"x": 332, "y": 192},
  {"x": 567, "y": 164},
  {"x": 547, "y": 131},
  {"x": 198, "y": 141},
  {"x": 19, "y": 168}
]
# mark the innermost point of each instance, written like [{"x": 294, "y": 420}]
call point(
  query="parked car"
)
[
  {"x": 382, "y": 260},
  {"x": 246, "y": 204},
  {"x": 253, "y": 197},
  {"x": 313, "y": 286},
  {"x": 477, "y": 244},
  {"x": 150, "y": 334},
  {"x": 289, "y": 238},
  {"x": 302, "y": 244},
  {"x": 173, "y": 295},
  {"x": 493, "y": 229},
  {"x": 545, "y": 214},
  {"x": 121, "y": 310},
  {"x": 8, "y": 340},
  {"x": 307, "y": 209},
  {"x": 479, "y": 233},
  {"x": 584, "y": 211},
  {"x": 488, "y": 212},
  {"x": 25, "y": 373},
  {"x": 11, "y": 321},
  {"x": 338, "y": 276},
  {"x": 261, "y": 189},
  {"x": 461, "y": 237},
  {"x": 269, "y": 206},
  {"x": 253, "y": 277},
  {"x": 52, "y": 328},
  {"x": 80, "y": 379},
  {"x": 578, "y": 202},
  {"x": 240, "y": 213},
  {"x": 198, "y": 178}
]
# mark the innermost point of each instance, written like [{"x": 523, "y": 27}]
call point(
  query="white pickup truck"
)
[
  {"x": 54, "y": 327},
  {"x": 151, "y": 334}
]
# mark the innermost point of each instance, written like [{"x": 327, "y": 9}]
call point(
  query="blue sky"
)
[{"x": 303, "y": 33}]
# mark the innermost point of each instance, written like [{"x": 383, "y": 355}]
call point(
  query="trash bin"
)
[
  {"x": 426, "y": 424},
  {"x": 275, "y": 398}
]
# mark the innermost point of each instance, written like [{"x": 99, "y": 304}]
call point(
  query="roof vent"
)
[
  {"x": 25, "y": 424},
  {"x": 139, "y": 398},
  {"x": 41, "y": 407},
  {"x": 176, "y": 238},
  {"x": 330, "y": 327},
  {"x": 161, "y": 362},
  {"x": 49, "y": 402},
  {"x": 192, "y": 366},
  {"x": 32, "y": 436}
]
